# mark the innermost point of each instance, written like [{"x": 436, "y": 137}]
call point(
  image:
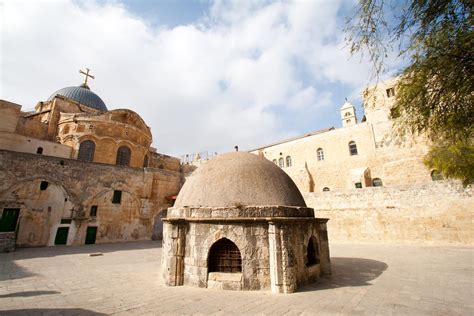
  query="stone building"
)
[
  {"x": 240, "y": 223},
  {"x": 74, "y": 172},
  {"x": 361, "y": 154},
  {"x": 371, "y": 182}
]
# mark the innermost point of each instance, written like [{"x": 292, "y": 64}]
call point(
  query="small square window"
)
[
  {"x": 43, "y": 185},
  {"x": 390, "y": 92},
  {"x": 117, "y": 198},
  {"x": 358, "y": 185},
  {"x": 93, "y": 212}
]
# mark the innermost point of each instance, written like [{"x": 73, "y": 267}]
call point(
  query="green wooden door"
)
[
  {"x": 61, "y": 236},
  {"x": 90, "y": 235},
  {"x": 9, "y": 219}
]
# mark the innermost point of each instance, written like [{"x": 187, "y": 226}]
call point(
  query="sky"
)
[{"x": 204, "y": 75}]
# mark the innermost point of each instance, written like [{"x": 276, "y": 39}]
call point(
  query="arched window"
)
[
  {"x": 326, "y": 189},
  {"x": 275, "y": 162},
  {"x": 352, "y": 148},
  {"x": 436, "y": 175},
  {"x": 39, "y": 150},
  {"x": 320, "y": 153},
  {"x": 145, "y": 161},
  {"x": 288, "y": 161},
  {"x": 347, "y": 114},
  {"x": 86, "y": 151},
  {"x": 281, "y": 162},
  {"x": 376, "y": 182},
  {"x": 224, "y": 256},
  {"x": 312, "y": 252},
  {"x": 123, "y": 156}
]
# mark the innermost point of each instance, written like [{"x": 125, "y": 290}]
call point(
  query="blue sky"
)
[{"x": 204, "y": 75}]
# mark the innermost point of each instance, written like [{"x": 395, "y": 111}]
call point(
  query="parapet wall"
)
[{"x": 440, "y": 213}]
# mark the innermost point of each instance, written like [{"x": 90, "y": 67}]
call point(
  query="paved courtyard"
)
[{"x": 367, "y": 279}]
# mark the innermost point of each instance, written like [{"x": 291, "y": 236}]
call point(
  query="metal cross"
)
[{"x": 86, "y": 73}]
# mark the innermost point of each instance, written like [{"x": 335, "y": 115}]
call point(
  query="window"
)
[
  {"x": 145, "y": 161},
  {"x": 224, "y": 256},
  {"x": 348, "y": 121},
  {"x": 436, "y": 175},
  {"x": 66, "y": 221},
  {"x": 43, "y": 185},
  {"x": 312, "y": 257},
  {"x": 347, "y": 114},
  {"x": 281, "y": 163},
  {"x": 117, "y": 198},
  {"x": 326, "y": 189},
  {"x": 288, "y": 161},
  {"x": 390, "y": 92},
  {"x": 352, "y": 148},
  {"x": 93, "y": 212},
  {"x": 358, "y": 185},
  {"x": 39, "y": 150},
  {"x": 320, "y": 153},
  {"x": 377, "y": 182},
  {"x": 86, "y": 151},
  {"x": 123, "y": 156},
  {"x": 275, "y": 162}
]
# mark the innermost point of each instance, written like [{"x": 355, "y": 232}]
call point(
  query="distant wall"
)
[{"x": 440, "y": 212}]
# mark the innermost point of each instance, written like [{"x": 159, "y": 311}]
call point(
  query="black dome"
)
[{"x": 82, "y": 95}]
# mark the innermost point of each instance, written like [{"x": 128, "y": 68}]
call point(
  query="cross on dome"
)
[{"x": 86, "y": 73}]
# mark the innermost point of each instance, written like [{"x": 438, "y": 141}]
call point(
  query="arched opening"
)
[
  {"x": 86, "y": 151},
  {"x": 436, "y": 175},
  {"x": 326, "y": 189},
  {"x": 352, "y": 148},
  {"x": 281, "y": 162},
  {"x": 288, "y": 161},
  {"x": 224, "y": 256},
  {"x": 123, "y": 156},
  {"x": 39, "y": 150},
  {"x": 376, "y": 182},
  {"x": 312, "y": 252},
  {"x": 145, "y": 161}
]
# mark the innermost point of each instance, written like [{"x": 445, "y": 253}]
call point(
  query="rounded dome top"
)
[
  {"x": 82, "y": 95},
  {"x": 239, "y": 179}
]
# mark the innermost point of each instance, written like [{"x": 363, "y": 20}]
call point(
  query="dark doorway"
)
[
  {"x": 224, "y": 256},
  {"x": 9, "y": 219},
  {"x": 90, "y": 235},
  {"x": 61, "y": 236}
]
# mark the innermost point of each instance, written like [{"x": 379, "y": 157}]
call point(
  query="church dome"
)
[
  {"x": 83, "y": 95},
  {"x": 239, "y": 179}
]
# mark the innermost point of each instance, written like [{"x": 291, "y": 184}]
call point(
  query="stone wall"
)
[
  {"x": 439, "y": 212},
  {"x": 72, "y": 188},
  {"x": 7, "y": 241}
]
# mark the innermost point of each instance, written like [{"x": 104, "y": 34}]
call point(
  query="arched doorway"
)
[
  {"x": 224, "y": 256},
  {"x": 312, "y": 252}
]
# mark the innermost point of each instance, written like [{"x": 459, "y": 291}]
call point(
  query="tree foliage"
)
[{"x": 435, "y": 93}]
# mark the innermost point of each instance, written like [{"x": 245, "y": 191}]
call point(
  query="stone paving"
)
[{"x": 367, "y": 279}]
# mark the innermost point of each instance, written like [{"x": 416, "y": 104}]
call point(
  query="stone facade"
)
[
  {"x": 440, "y": 212},
  {"x": 341, "y": 159},
  {"x": 77, "y": 173}
]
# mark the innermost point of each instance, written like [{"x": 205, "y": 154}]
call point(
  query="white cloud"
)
[{"x": 203, "y": 86}]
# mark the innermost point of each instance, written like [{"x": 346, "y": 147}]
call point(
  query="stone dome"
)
[
  {"x": 239, "y": 179},
  {"x": 83, "y": 95}
]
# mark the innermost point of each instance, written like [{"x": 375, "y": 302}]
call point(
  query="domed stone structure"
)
[
  {"x": 240, "y": 223},
  {"x": 83, "y": 95}
]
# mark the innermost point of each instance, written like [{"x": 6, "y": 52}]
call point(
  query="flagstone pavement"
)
[{"x": 367, "y": 279}]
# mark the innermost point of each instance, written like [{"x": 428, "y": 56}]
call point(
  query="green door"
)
[
  {"x": 61, "y": 236},
  {"x": 90, "y": 235},
  {"x": 9, "y": 219}
]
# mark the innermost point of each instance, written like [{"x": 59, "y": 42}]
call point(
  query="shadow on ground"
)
[
  {"x": 52, "y": 311},
  {"x": 349, "y": 272},
  {"x": 18, "y": 272},
  {"x": 53, "y": 251},
  {"x": 29, "y": 294}
]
